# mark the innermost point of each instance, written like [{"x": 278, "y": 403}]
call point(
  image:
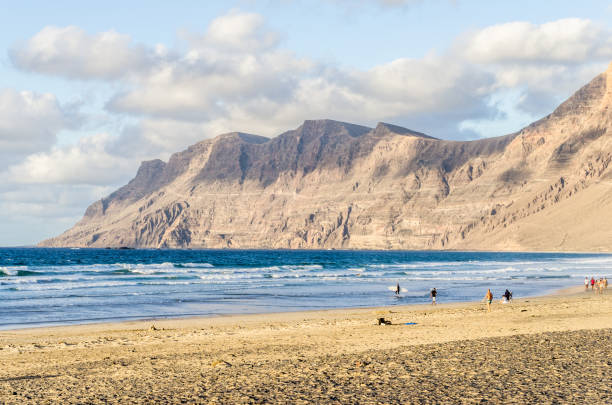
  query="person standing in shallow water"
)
[
  {"x": 397, "y": 289},
  {"x": 489, "y": 299},
  {"x": 433, "y": 295}
]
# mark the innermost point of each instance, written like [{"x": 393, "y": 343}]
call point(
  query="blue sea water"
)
[{"x": 65, "y": 286}]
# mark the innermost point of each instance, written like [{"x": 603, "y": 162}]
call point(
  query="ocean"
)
[{"x": 41, "y": 287}]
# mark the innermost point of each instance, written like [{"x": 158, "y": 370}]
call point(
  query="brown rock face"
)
[{"x": 329, "y": 184}]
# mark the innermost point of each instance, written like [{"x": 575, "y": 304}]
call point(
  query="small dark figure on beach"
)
[
  {"x": 508, "y": 295},
  {"x": 383, "y": 321},
  {"x": 397, "y": 289},
  {"x": 433, "y": 294}
]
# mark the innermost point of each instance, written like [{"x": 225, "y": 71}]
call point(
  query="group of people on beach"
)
[
  {"x": 506, "y": 298},
  {"x": 433, "y": 293},
  {"x": 597, "y": 286}
]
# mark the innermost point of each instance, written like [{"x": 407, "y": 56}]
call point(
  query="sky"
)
[{"x": 88, "y": 91}]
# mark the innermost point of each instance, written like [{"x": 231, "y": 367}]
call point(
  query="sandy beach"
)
[{"x": 554, "y": 349}]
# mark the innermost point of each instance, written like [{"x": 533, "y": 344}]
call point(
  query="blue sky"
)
[{"x": 87, "y": 91}]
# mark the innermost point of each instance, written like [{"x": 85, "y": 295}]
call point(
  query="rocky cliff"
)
[{"x": 330, "y": 184}]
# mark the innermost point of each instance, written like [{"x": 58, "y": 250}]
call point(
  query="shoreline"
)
[
  {"x": 565, "y": 291},
  {"x": 315, "y": 356}
]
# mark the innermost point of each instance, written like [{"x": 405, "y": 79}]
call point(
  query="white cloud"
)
[
  {"x": 159, "y": 137},
  {"x": 238, "y": 31},
  {"x": 71, "y": 52},
  {"x": 234, "y": 62},
  {"x": 32, "y": 212},
  {"x": 29, "y": 122},
  {"x": 88, "y": 162},
  {"x": 570, "y": 40},
  {"x": 49, "y": 200}
]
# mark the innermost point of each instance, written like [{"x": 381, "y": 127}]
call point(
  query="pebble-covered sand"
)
[{"x": 545, "y": 350}]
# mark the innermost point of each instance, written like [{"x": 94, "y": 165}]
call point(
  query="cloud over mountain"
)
[
  {"x": 236, "y": 74},
  {"x": 570, "y": 40}
]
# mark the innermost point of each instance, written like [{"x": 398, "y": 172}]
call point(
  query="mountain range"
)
[{"x": 330, "y": 184}]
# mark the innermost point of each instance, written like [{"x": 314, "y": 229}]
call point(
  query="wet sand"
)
[{"x": 554, "y": 349}]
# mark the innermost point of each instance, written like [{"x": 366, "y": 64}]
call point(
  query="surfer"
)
[
  {"x": 489, "y": 299},
  {"x": 397, "y": 289},
  {"x": 433, "y": 294}
]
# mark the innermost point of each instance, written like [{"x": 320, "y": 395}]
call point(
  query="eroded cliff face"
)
[{"x": 329, "y": 184}]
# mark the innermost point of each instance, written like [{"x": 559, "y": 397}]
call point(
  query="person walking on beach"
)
[
  {"x": 433, "y": 294},
  {"x": 592, "y": 283},
  {"x": 489, "y": 299},
  {"x": 586, "y": 283}
]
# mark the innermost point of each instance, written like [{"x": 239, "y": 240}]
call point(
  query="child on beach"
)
[
  {"x": 433, "y": 294},
  {"x": 489, "y": 299}
]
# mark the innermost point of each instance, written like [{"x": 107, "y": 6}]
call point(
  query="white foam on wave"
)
[
  {"x": 8, "y": 272},
  {"x": 13, "y": 270},
  {"x": 72, "y": 286},
  {"x": 604, "y": 259},
  {"x": 196, "y": 265}
]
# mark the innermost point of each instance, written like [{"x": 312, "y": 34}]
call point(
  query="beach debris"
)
[
  {"x": 220, "y": 363},
  {"x": 410, "y": 323},
  {"x": 383, "y": 321},
  {"x": 153, "y": 328}
]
